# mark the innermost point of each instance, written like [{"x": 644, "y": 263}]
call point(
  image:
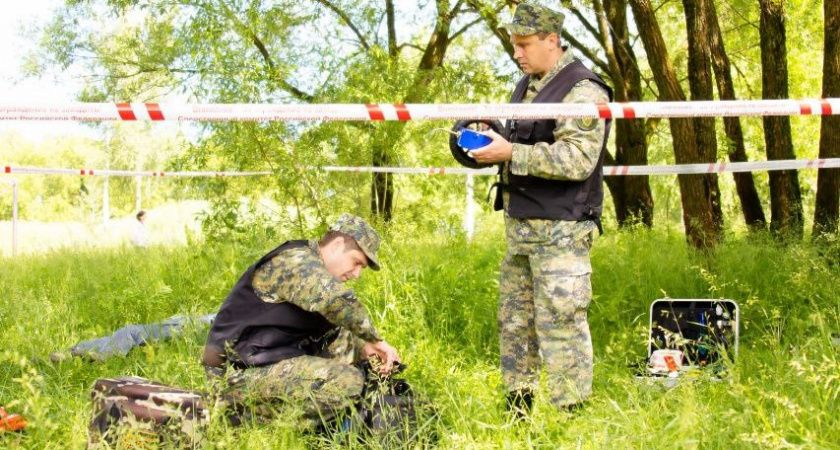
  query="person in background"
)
[
  {"x": 139, "y": 234},
  {"x": 551, "y": 191}
]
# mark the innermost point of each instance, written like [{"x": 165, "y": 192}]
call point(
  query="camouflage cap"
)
[
  {"x": 530, "y": 19},
  {"x": 364, "y": 234}
]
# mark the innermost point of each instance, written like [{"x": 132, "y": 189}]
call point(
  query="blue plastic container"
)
[{"x": 470, "y": 140}]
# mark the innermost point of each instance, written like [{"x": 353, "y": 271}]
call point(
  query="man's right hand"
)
[{"x": 387, "y": 354}]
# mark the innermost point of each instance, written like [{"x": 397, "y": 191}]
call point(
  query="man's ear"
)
[{"x": 337, "y": 244}]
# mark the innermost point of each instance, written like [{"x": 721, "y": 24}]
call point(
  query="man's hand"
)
[
  {"x": 387, "y": 354},
  {"x": 500, "y": 150}
]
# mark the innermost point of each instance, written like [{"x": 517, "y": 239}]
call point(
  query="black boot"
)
[
  {"x": 519, "y": 403},
  {"x": 574, "y": 408}
]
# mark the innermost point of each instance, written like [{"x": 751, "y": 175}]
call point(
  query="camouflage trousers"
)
[
  {"x": 325, "y": 384},
  {"x": 544, "y": 297}
]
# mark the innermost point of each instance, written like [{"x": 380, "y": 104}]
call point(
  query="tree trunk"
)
[
  {"x": 631, "y": 194},
  {"x": 382, "y": 184},
  {"x": 785, "y": 199},
  {"x": 388, "y": 134},
  {"x": 828, "y": 180},
  {"x": 701, "y": 87},
  {"x": 744, "y": 183},
  {"x": 698, "y": 217}
]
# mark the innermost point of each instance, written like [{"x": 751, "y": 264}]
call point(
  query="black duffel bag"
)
[{"x": 388, "y": 415}]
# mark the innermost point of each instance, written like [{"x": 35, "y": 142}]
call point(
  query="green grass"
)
[{"x": 435, "y": 300}]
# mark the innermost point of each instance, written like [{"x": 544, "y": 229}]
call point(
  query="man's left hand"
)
[
  {"x": 500, "y": 150},
  {"x": 386, "y": 354}
]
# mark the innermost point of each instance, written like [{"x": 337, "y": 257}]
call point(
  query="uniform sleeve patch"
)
[{"x": 586, "y": 123}]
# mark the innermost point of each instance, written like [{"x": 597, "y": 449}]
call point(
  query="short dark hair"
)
[
  {"x": 140, "y": 214},
  {"x": 544, "y": 34},
  {"x": 349, "y": 242}
]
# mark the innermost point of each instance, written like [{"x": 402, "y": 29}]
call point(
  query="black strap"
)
[
  {"x": 497, "y": 184},
  {"x": 597, "y": 221}
]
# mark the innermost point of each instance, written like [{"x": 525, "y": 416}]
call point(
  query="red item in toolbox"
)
[{"x": 672, "y": 366}]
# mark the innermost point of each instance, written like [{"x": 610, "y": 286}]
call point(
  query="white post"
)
[
  {"x": 106, "y": 204},
  {"x": 138, "y": 193},
  {"x": 138, "y": 185},
  {"x": 469, "y": 208},
  {"x": 13, "y": 184},
  {"x": 14, "y": 217}
]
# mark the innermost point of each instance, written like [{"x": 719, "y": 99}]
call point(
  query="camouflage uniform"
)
[
  {"x": 326, "y": 382},
  {"x": 544, "y": 289}
]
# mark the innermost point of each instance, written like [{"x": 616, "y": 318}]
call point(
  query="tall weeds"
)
[{"x": 435, "y": 300}]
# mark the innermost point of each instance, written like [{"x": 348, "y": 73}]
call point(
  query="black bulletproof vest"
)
[
  {"x": 250, "y": 332},
  {"x": 540, "y": 198}
]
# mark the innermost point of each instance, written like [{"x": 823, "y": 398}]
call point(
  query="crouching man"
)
[{"x": 290, "y": 330}]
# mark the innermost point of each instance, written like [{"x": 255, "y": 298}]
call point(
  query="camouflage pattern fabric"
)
[
  {"x": 529, "y": 19},
  {"x": 544, "y": 288},
  {"x": 544, "y": 298},
  {"x": 298, "y": 276},
  {"x": 325, "y": 384},
  {"x": 578, "y": 142}
]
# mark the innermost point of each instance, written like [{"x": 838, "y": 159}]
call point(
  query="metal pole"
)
[
  {"x": 469, "y": 209},
  {"x": 138, "y": 185},
  {"x": 14, "y": 217},
  {"x": 138, "y": 193},
  {"x": 106, "y": 202}
]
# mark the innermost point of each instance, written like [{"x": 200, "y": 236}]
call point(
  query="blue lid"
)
[{"x": 471, "y": 140}]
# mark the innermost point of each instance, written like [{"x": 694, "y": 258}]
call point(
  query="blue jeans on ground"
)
[{"x": 123, "y": 340}]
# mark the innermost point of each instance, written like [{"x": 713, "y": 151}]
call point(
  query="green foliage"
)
[
  {"x": 132, "y": 146},
  {"x": 283, "y": 51},
  {"x": 274, "y": 51},
  {"x": 435, "y": 300}
]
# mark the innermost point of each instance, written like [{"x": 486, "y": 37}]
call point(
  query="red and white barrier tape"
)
[
  {"x": 403, "y": 112},
  {"x": 679, "y": 169},
  {"x": 123, "y": 173}
]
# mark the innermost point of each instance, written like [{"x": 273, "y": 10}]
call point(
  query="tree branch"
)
[
  {"x": 491, "y": 18},
  {"x": 465, "y": 28},
  {"x": 456, "y": 9},
  {"x": 410, "y": 45},
  {"x": 243, "y": 29},
  {"x": 589, "y": 54},
  {"x": 583, "y": 20},
  {"x": 347, "y": 20},
  {"x": 606, "y": 43},
  {"x": 393, "y": 49}
]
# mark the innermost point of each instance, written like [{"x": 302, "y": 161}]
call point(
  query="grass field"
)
[
  {"x": 168, "y": 224},
  {"x": 435, "y": 301}
]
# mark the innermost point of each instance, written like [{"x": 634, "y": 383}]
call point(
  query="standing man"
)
[
  {"x": 551, "y": 190},
  {"x": 291, "y": 330}
]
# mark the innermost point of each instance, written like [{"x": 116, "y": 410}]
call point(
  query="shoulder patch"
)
[{"x": 586, "y": 123}]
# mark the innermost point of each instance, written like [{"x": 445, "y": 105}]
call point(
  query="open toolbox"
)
[{"x": 687, "y": 334}]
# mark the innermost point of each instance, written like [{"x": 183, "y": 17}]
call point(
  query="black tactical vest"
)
[
  {"x": 250, "y": 332},
  {"x": 540, "y": 198}
]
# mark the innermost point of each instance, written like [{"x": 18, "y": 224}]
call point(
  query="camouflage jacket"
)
[
  {"x": 573, "y": 156},
  {"x": 299, "y": 276}
]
